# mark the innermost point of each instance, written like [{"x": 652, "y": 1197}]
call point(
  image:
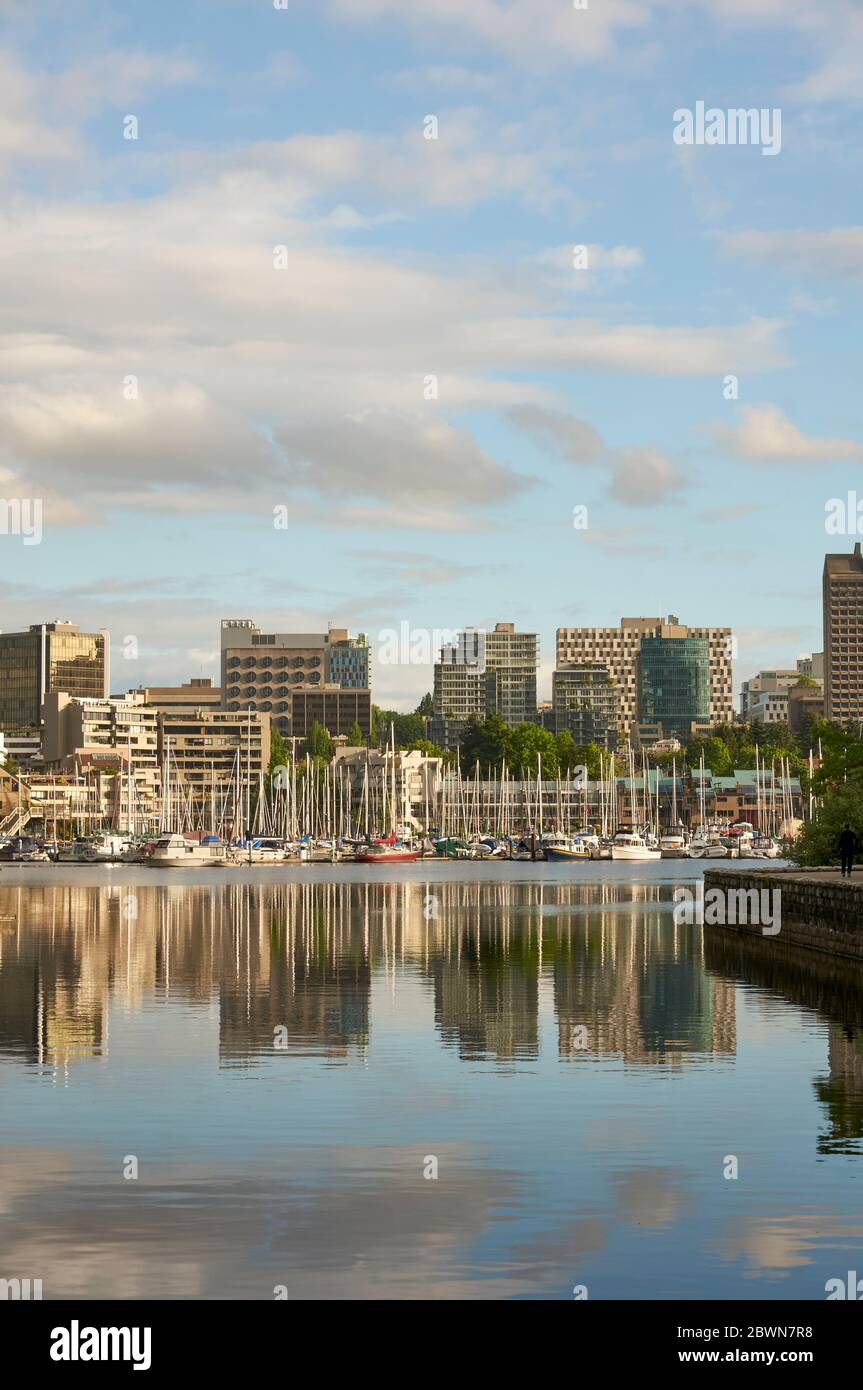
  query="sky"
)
[{"x": 375, "y": 313}]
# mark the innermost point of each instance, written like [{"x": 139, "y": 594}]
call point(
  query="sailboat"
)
[
  {"x": 674, "y": 844},
  {"x": 390, "y": 850}
]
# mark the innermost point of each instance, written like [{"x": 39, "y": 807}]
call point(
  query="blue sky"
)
[{"x": 305, "y": 387}]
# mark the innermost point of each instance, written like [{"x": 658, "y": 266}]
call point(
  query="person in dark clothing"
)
[{"x": 847, "y": 847}]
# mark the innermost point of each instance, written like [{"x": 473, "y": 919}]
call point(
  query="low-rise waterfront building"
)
[{"x": 417, "y": 780}]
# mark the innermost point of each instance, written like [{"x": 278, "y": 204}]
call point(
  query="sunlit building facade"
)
[{"x": 49, "y": 657}]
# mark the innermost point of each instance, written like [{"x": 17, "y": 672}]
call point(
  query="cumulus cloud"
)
[
  {"x": 766, "y": 435},
  {"x": 420, "y": 465},
  {"x": 638, "y": 477},
  {"x": 171, "y": 433}
]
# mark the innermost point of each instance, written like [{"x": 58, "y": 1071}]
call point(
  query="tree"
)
[
  {"x": 406, "y": 727},
  {"x": 484, "y": 741},
  {"x": 318, "y": 742},
  {"x": 279, "y": 753},
  {"x": 841, "y": 758},
  {"x": 423, "y": 745},
  {"x": 355, "y": 736},
  {"x": 426, "y": 705},
  {"x": 527, "y": 743},
  {"x": 818, "y": 842},
  {"x": 567, "y": 753}
]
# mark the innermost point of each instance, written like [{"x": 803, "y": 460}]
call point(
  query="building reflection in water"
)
[
  {"x": 623, "y": 980},
  {"x": 832, "y": 988}
]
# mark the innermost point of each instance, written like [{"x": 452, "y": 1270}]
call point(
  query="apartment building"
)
[
  {"x": 584, "y": 702},
  {"x": 619, "y": 650},
  {"x": 484, "y": 672},
  {"x": 207, "y": 748},
  {"x": 123, "y": 726},
  {"x": 766, "y": 683},
  {"x": 198, "y": 748},
  {"x": 417, "y": 781}
]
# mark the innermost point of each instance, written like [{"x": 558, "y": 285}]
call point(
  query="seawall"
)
[{"x": 820, "y": 910}]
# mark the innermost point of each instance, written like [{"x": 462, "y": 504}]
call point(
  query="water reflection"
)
[
  {"x": 833, "y": 989},
  {"x": 300, "y": 956},
  {"x": 282, "y": 1057}
]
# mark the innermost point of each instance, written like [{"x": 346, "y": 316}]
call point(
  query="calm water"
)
[{"x": 284, "y": 1052}]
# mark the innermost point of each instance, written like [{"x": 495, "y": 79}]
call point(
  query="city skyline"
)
[{"x": 438, "y": 378}]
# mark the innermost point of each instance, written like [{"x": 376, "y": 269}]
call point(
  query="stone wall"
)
[{"x": 819, "y": 910}]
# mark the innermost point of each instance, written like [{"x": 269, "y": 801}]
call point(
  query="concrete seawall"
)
[{"x": 821, "y": 911}]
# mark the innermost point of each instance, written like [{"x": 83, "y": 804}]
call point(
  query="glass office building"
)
[
  {"x": 49, "y": 657},
  {"x": 674, "y": 682}
]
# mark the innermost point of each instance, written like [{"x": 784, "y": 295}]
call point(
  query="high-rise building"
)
[
  {"x": 49, "y": 657},
  {"x": 842, "y": 592},
  {"x": 619, "y": 650},
  {"x": 484, "y": 672},
  {"x": 584, "y": 702},
  {"x": 296, "y": 677},
  {"x": 674, "y": 683}
]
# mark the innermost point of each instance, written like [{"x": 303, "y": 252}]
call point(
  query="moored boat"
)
[
  {"x": 631, "y": 845},
  {"x": 176, "y": 852},
  {"x": 563, "y": 854},
  {"x": 387, "y": 854}
]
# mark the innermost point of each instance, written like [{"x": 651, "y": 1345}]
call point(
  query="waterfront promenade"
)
[{"x": 819, "y": 909}]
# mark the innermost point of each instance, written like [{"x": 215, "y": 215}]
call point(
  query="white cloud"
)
[
  {"x": 645, "y": 477},
  {"x": 40, "y": 112},
  {"x": 638, "y": 477},
  {"x": 526, "y": 32},
  {"x": 836, "y": 253},
  {"x": 766, "y": 435},
  {"x": 412, "y": 462}
]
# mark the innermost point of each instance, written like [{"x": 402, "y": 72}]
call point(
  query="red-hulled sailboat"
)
[{"x": 388, "y": 849}]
